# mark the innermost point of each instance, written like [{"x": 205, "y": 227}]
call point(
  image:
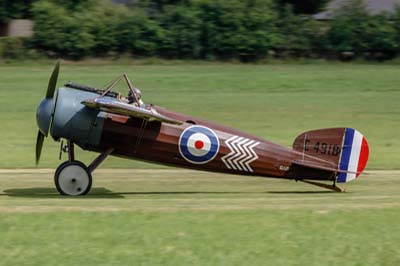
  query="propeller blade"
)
[
  {"x": 39, "y": 145},
  {"x": 53, "y": 81},
  {"x": 45, "y": 103}
]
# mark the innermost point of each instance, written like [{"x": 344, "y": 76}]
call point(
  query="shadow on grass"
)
[
  {"x": 220, "y": 192},
  {"x": 302, "y": 192},
  {"x": 44, "y": 192}
]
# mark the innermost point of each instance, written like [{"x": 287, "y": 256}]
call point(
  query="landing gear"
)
[{"x": 73, "y": 178}]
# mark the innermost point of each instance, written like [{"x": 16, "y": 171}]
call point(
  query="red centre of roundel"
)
[{"x": 199, "y": 144}]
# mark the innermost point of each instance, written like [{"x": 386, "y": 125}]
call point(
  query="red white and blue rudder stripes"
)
[{"x": 354, "y": 155}]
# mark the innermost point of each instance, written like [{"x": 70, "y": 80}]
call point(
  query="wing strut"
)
[
  {"x": 128, "y": 82},
  {"x": 141, "y": 133}
]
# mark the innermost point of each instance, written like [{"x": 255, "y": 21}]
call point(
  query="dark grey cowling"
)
[{"x": 74, "y": 121}]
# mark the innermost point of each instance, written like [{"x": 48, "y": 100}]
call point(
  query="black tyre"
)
[{"x": 73, "y": 179}]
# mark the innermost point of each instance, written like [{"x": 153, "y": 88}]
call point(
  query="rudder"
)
[{"x": 354, "y": 155}]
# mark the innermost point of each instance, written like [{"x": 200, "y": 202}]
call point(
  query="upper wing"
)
[{"x": 121, "y": 108}]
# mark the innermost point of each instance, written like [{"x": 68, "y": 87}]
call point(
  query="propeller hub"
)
[{"x": 43, "y": 115}]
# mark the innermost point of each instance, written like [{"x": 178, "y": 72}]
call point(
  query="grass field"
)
[
  {"x": 277, "y": 101},
  {"x": 180, "y": 217}
]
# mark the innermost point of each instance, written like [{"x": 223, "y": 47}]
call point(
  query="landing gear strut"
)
[{"x": 74, "y": 178}]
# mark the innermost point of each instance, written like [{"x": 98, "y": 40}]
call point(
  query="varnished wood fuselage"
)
[{"x": 159, "y": 143}]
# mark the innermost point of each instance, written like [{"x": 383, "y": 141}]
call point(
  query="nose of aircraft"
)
[{"x": 43, "y": 115}]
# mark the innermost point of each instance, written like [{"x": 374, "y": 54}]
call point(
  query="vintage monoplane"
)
[{"x": 105, "y": 122}]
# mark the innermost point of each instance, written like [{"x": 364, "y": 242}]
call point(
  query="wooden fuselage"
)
[{"x": 238, "y": 152}]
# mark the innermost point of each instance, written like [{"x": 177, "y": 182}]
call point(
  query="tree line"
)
[{"x": 204, "y": 29}]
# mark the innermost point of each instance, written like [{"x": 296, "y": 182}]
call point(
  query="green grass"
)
[
  {"x": 179, "y": 217},
  {"x": 277, "y": 102}
]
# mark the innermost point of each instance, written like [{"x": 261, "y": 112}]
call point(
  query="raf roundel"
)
[{"x": 198, "y": 144}]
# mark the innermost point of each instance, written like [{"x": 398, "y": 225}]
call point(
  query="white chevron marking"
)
[
  {"x": 225, "y": 158},
  {"x": 236, "y": 157},
  {"x": 236, "y": 153},
  {"x": 253, "y": 158},
  {"x": 248, "y": 154},
  {"x": 241, "y": 153}
]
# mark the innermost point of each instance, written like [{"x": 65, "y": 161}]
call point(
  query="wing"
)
[{"x": 121, "y": 108}]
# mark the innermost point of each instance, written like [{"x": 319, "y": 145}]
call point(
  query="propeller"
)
[
  {"x": 44, "y": 112},
  {"x": 39, "y": 145},
  {"x": 53, "y": 81}
]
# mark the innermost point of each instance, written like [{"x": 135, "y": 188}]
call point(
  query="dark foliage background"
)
[{"x": 201, "y": 29}]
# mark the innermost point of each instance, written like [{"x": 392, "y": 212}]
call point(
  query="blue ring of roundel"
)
[{"x": 191, "y": 157}]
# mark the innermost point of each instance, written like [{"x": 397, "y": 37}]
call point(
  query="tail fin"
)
[{"x": 345, "y": 148}]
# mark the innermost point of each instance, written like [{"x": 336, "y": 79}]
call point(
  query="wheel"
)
[{"x": 73, "y": 179}]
